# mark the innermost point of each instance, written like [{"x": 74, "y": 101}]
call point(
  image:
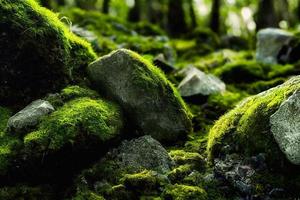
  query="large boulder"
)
[
  {"x": 285, "y": 126},
  {"x": 38, "y": 53},
  {"x": 151, "y": 102},
  {"x": 269, "y": 43},
  {"x": 197, "y": 82},
  {"x": 246, "y": 129},
  {"x": 29, "y": 116}
]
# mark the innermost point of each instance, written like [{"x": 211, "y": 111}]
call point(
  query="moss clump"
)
[
  {"x": 184, "y": 192},
  {"x": 179, "y": 173},
  {"x": 84, "y": 195},
  {"x": 182, "y": 157},
  {"x": 145, "y": 182},
  {"x": 249, "y": 71},
  {"x": 77, "y": 119},
  {"x": 7, "y": 142},
  {"x": 46, "y": 55},
  {"x": 246, "y": 128},
  {"x": 5, "y": 114},
  {"x": 75, "y": 91},
  {"x": 241, "y": 72},
  {"x": 225, "y": 101}
]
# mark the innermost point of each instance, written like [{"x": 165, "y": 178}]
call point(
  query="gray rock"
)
[
  {"x": 285, "y": 127},
  {"x": 143, "y": 153},
  {"x": 144, "y": 93},
  {"x": 269, "y": 43},
  {"x": 29, "y": 116},
  {"x": 197, "y": 82}
]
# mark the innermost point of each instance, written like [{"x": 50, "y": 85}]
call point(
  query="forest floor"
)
[{"x": 204, "y": 103}]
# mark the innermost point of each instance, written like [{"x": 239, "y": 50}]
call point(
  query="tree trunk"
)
[
  {"x": 105, "y": 7},
  {"x": 135, "y": 13},
  {"x": 266, "y": 15},
  {"x": 61, "y": 2},
  {"x": 176, "y": 19},
  {"x": 215, "y": 16},
  {"x": 192, "y": 14}
]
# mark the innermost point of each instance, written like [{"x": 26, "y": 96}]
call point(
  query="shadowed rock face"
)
[
  {"x": 150, "y": 100},
  {"x": 285, "y": 126}
]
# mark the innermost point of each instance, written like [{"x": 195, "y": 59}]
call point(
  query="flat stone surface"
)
[{"x": 30, "y": 115}]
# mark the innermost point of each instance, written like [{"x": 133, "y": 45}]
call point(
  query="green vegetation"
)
[
  {"x": 145, "y": 182},
  {"x": 184, "y": 192},
  {"x": 248, "y": 124},
  {"x": 44, "y": 45},
  {"x": 75, "y": 91},
  {"x": 76, "y": 120},
  {"x": 214, "y": 142}
]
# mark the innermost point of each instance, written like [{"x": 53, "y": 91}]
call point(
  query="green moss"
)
[
  {"x": 5, "y": 114},
  {"x": 182, "y": 157},
  {"x": 145, "y": 182},
  {"x": 247, "y": 126},
  {"x": 78, "y": 118},
  {"x": 184, "y": 192},
  {"x": 7, "y": 141},
  {"x": 225, "y": 101},
  {"x": 241, "y": 72},
  {"x": 153, "y": 76},
  {"x": 179, "y": 173},
  {"x": 260, "y": 86},
  {"x": 8, "y": 146},
  {"x": 87, "y": 195},
  {"x": 39, "y": 41},
  {"x": 75, "y": 91},
  {"x": 249, "y": 71}
]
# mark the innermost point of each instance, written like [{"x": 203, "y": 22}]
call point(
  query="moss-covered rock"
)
[
  {"x": 246, "y": 128},
  {"x": 38, "y": 53},
  {"x": 145, "y": 182},
  {"x": 73, "y": 122},
  {"x": 151, "y": 101},
  {"x": 184, "y": 192},
  {"x": 182, "y": 157},
  {"x": 75, "y": 91},
  {"x": 70, "y": 138}
]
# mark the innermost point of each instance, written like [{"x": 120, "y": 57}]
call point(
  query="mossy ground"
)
[{"x": 75, "y": 133}]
